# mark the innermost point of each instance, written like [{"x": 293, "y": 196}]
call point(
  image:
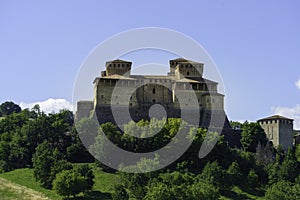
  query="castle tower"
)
[
  {"x": 119, "y": 67},
  {"x": 279, "y": 130},
  {"x": 181, "y": 68}
]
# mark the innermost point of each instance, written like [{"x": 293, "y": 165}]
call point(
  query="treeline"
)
[
  {"x": 258, "y": 165},
  {"x": 50, "y": 144}
]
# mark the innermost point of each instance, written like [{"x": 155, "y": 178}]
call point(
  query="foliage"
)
[
  {"x": 8, "y": 108},
  {"x": 87, "y": 129},
  {"x": 135, "y": 183},
  {"x": 288, "y": 170},
  {"x": 47, "y": 161},
  {"x": 283, "y": 190},
  {"x": 297, "y": 152},
  {"x": 252, "y": 134},
  {"x": 69, "y": 182},
  {"x": 87, "y": 172},
  {"x": 214, "y": 174},
  {"x": 204, "y": 190},
  {"x": 252, "y": 178},
  {"x": 234, "y": 173},
  {"x": 120, "y": 193}
]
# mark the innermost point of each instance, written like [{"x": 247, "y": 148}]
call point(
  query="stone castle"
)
[
  {"x": 137, "y": 93},
  {"x": 185, "y": 79}
]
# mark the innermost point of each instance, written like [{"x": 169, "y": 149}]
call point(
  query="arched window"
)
[
  {"x": 153, "y": 91},
  {"x": 188, "y": 73}
]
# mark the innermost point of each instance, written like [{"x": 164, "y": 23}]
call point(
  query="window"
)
[
  {"x": 188, "y": 73},
  {"x": 153, "y": 91},
  {"x": 153, "y": 100},
  {"x": 102, "y": 96}
]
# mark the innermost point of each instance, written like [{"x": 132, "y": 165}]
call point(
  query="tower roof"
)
[
  {"x": 275, "y": 117},
  {"x": 118, "y": 61}
]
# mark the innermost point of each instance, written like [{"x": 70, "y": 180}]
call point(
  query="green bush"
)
[{"x": 69, "y": 182}]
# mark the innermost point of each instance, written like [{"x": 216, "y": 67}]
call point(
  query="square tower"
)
[{"x": 279, "y": 130}]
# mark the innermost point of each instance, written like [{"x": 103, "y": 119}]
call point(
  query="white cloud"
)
[
  {"x": 293, "y": 113},
  {"x": 50, "y": 105},
  {"x": 298, "y": 84}
]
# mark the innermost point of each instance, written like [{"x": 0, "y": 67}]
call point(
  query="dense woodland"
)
[{"x": 50, "y": 144}]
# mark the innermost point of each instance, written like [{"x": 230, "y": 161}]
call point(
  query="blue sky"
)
[{"x": 255, "y": 44}]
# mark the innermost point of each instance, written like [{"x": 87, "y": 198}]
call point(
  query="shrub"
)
[{"x": 69, "y": 182}]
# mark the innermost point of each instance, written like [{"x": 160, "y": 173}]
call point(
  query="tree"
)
[
  {"x": 297, "y": 152},
  {"x": 288, "y": 170},
  {"x": 252, "y": 178},
  {"x": 162, "y": 191},
  {"x": 87, "y": 172},
  {"x": 283, "y": 190},
  {"x": 43, "y": 160},
  {"x": 135, "y": 183},
  {"x": 69, "y": 182},
  {"x": 174, "y": 185},
  {"x": 87, "y": 129},
  {"x": 8, "y": 108},
  {"x": 234, "y": 173},
  {"x": 120, "y": 193},
  {"x": 215, "y": 175},
  {"x": 204, "y": 190},
  {"x": 252, "y": 134},
  {"x": 47, "y": 161}
]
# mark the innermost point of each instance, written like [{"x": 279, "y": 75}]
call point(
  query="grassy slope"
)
[
  {"x": 102, "y": 188},
  {"x": 9, "y": 194},
  {"x": 25, "y": 178}
]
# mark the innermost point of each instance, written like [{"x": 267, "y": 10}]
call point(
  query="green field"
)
[{"x": 24, "y": 177}]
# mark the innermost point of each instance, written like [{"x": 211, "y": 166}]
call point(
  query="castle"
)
[
  {"x": 185, "y": 79},
  {"x": 137, "y": 93}
]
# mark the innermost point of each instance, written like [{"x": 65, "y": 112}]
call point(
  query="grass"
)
[
  {"x": 25, "y": 178},
  {"x": 241, "y": 193},
  {"x": 104, "y": 181},
  {"x": 9, "y": 194},
  {"x": 102, "y": 189}
]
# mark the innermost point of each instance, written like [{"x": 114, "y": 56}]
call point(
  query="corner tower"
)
[
  {"x": 118, "y": 67},
  {"x": 279, "y": 130}
]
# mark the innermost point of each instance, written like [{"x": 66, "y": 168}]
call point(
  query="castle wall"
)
[
  {"x": 208, "y": 118},
  {"x": 84, "y": 109}
]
